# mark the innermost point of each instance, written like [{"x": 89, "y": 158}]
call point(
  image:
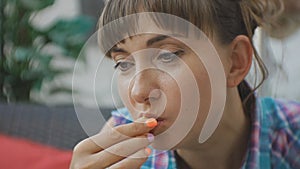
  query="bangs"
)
[{"x": 114, "y": 29}]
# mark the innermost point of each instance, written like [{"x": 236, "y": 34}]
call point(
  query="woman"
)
[{"x": 152, "y": 69}]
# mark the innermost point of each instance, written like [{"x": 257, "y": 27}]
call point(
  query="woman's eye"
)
[
  {"x": 168, "y": 57},
  {"x": 124, "y": 65}
]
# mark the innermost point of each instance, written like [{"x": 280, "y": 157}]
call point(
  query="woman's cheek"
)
[{"x": 124, "y": 92}]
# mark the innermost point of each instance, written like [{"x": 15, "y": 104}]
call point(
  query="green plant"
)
[{"x": 24, "y": 62}]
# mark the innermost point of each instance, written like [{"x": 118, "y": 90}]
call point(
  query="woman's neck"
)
[{"x": 228, "y": 145}]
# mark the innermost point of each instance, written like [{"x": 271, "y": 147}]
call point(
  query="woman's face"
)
[{"x": 151, "y": 69}]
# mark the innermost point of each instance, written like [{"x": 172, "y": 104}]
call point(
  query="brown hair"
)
[{"x": 224, "y": 19}]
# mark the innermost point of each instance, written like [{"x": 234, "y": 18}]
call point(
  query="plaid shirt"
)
[{"x": 274, "y": 144}]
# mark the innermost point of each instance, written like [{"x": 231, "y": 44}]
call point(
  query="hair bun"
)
[{"x": 263, "y": 12}]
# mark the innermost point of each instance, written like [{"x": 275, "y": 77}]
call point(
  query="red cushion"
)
[{"x": 24, "y": 154}]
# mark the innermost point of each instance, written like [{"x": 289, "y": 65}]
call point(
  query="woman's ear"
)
[{"x": 240, "y": 59}]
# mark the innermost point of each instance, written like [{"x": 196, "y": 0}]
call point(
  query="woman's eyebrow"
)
[
  {"x": 149, "y": 43},
  {"x": 116, "y": 49},
  {"x": 156, "y": 39}
]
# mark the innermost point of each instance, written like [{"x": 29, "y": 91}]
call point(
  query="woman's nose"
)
[{"x": 143, "y": 86}]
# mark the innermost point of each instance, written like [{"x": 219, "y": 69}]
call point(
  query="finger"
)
[
  {"x": 120, "y": 151},
  {"x": 115, "y": 135},
  {"x": 134, "y": 161}
]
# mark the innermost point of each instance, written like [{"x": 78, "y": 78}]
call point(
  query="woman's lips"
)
[
  {"x": 160, "y": 122},
  {"x": 159, "y": 128}
]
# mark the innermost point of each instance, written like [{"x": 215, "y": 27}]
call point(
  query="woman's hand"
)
[{"x": 123, "y": 146}]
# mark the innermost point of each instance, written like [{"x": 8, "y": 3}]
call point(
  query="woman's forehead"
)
[{"x": 126, "y": 28}]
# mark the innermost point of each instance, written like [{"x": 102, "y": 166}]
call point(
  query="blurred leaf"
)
[
  {"x": 71, "y": 34},
  {"x": 36, "y": 4},
  {"x": 43, "y": 60},
  {"x": 67, "y": 30},
  {"x": 29, "y": 75},
  {"x": 37, "y": 85},
  {"x": 25, "y": 65},
  {"x": 10, "y": 80},
  {"x": 23, "y": 54},
  {"x": 2, "y": 76},
  {"x": 60, "y": 90},
  {"x": 13, "y": 67}
]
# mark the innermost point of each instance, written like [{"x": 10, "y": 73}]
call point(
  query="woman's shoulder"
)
[
  {"x": 280, "y": 119},
  {"x": 281, "y": 112}
]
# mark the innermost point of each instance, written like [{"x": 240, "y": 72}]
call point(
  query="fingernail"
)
[
  {"x": 151, "y": 122},
  {"x": 148, "y": 151},
  {"x": 150, "y": 137}
]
